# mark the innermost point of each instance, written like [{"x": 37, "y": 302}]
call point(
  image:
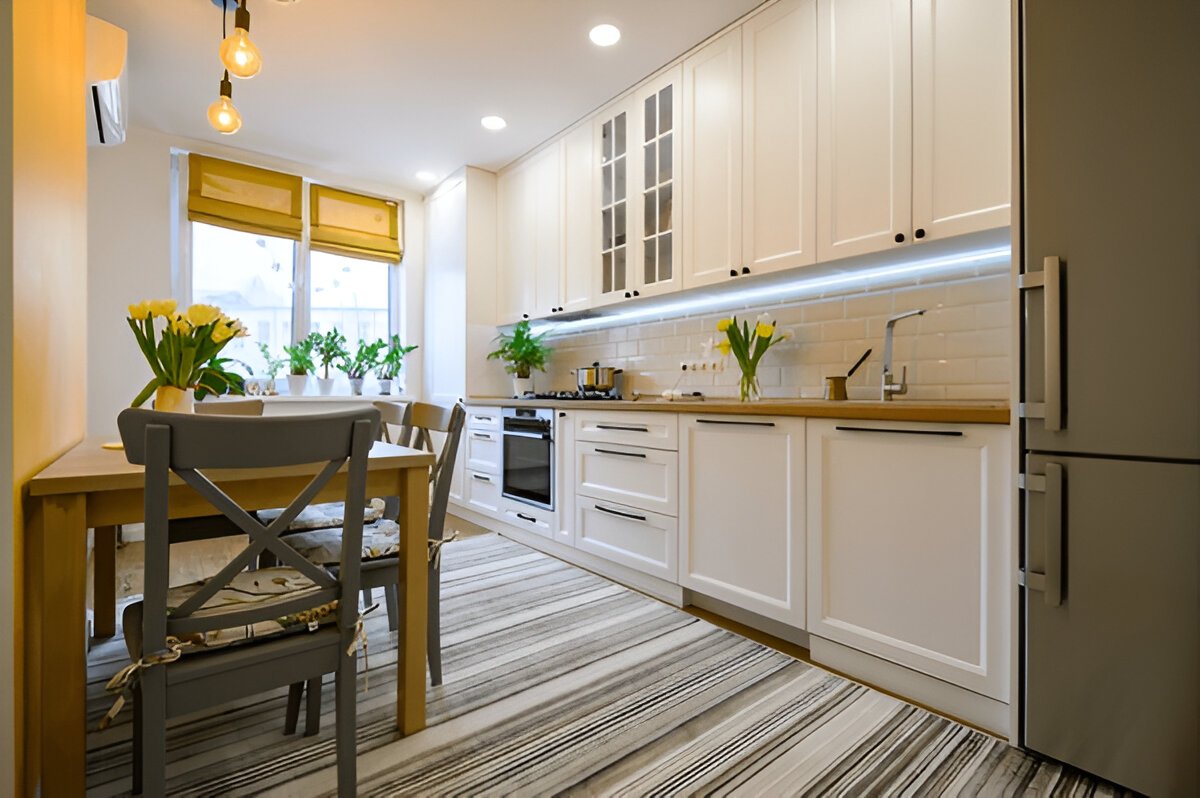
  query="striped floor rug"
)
[{"x": 560, "y": 682}]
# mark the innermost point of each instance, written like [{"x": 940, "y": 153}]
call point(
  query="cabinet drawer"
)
[
  {"x": 483, "y": 492},
  {"x": 644, "y": 478},
  {"x": 486, "y": 419},
  {"x": 656, "y": 430},
  {"x": 626, "y": 535},
  {"x": 531, "y": 519},
  {"x": 483, "y": 451}
]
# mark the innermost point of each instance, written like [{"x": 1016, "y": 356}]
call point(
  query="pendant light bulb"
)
[
  {"x": 239, "y": 55},
  {"x": 222, "y": 114}
]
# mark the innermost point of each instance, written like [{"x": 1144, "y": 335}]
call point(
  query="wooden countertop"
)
[{"x": 961, "y": 412}]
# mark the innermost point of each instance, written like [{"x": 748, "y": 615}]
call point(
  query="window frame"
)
[{"x": 181, "y": 267}]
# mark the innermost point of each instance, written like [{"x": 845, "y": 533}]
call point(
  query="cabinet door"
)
[
  {"x": 779, "y": 137},
  {"x": 864, "y": 113},
  {"x": 546, "y": 175},
  {"x": 445, "y": 289},
  {"x": 631, "y": 475},
  {"x": 517, "y": 238},
  {"x": 962, "y": 116},
  {"x": 581, "y": 254},
  {"x": 741, "y": 513},
  {"x": 635, "y": 538},
  {"x": 712, "y": 162},
  {"x": 613, "y": 281},
  {"x": 909, "y": 534},
  {"x": 657, "y": 254}
]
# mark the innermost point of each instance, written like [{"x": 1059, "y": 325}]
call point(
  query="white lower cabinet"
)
[
  {"x": 633, "y": 475},
  {"x": 639, "y": 539},
  {"x": 527, "y": 517},
  {"x": 483, "y": 451},
  {"x": 482, "y": 492},
  {"x": 741, "y": 512},
  {"x": 908, "y": 546}
]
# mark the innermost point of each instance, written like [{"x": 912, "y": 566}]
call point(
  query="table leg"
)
[
  {"x": 410, "y": 665},
  {"x": 56, "y": 663},
  {"x": 104, "y": 582}
]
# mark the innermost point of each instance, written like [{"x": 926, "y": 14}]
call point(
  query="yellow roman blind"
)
[
  {"x": 345, "y": 223},
  {"x": 244, "y": 197}
]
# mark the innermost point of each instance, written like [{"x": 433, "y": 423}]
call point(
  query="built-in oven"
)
[{"x": 527, "y": 462}]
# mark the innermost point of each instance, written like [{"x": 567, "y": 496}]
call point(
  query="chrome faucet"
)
[{"x": 888, "y": 389}]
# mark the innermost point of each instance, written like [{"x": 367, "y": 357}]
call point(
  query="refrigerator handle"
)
[
  {"x": 1049, "y": 583},
  {"x": 1049, "y": 279}
]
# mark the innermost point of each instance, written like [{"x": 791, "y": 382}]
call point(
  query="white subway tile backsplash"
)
[{"x": 960, "y": 349}]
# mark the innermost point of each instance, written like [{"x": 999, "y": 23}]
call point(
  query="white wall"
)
[{"x": 130, "y": 255}]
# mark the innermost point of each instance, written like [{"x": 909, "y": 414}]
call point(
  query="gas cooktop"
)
[{"x": 589, "y": 396}]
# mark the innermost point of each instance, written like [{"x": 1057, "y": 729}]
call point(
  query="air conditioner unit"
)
[{"x": 107, "y": 95}]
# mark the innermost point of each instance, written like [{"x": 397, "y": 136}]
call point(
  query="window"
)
[{"x": 286, "y": 268}]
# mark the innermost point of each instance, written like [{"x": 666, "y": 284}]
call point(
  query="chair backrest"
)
[
  {"x": 392, "y": 415},
  {"x": 184, "y": 443},
  {"x": 230, "y": 407},
  {"x": 419, "y": 421}
]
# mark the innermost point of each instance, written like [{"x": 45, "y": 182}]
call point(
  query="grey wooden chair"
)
[
  {"x": 417, "y": 422},
  {"x": 300, "y": 622}
]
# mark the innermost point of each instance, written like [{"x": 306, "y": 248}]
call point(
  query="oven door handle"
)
[{"x": 545, "y": 436}]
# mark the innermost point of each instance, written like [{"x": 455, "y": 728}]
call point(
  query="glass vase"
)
[{"x": 748, "y": 387}]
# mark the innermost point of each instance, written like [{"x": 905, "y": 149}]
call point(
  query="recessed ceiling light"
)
[
  {"x": 426, "y": 177},
  {"x": 493, "y": 122},
  {"x": 604, "y": 35}
]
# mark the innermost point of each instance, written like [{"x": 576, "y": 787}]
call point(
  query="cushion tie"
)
[
  {"x": 435, "y": 550},
  {"x": 123, "y": 680},
  {"x": 360, "y": 639}
]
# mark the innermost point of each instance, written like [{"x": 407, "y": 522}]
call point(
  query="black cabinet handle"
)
[
  {"x": 481, "y": 478},
  {"x": 524, "y": 315},
  {"x": 622, "y": 454},
  {"x": 637, "y": 293},
  {"x": 733, "y": 272},
  {"x": 621, "y": 429},
  {"x": 919, "y": 232},
  {"x": 627, "y": 295},
  {"x": 945, "y": 433},
  {"x": 528, "y": 518},
  {"x": 618, "y": 512},
  {"x": 562, "y": 415},
  {"x": 737, "y": 423},
  {"x": 899, "y": 238},
  {"x": 745, "y": 270}
]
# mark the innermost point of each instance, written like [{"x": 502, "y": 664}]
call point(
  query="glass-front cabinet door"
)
[
  {"x": 612, "y": 130},
  {"x": 659, "y": 142}
]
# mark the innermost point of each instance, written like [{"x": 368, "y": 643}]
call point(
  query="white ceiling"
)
[{"x": 380, "y": 89}]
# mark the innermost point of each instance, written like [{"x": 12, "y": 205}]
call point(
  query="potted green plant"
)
[
  {"x": 300, "y": 364},
  {"x": 365, "y": 358},
  {"x": 391, "y": 363},
  {"x": 274, "y": 365},
  {"x": 522, "y": 352},
  {"x": 328, "y": 348}
]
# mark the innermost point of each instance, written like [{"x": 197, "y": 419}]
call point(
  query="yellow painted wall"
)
[{"x": 45, "y": 269}]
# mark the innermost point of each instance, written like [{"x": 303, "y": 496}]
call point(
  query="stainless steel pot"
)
[{"x": 596, "y": 378}]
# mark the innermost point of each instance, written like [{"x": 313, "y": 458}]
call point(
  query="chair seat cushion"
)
[
  {"x": 264, "y": 586},
  {"x": 324, "y": 546},
  {"x": 324, "y": 516}
]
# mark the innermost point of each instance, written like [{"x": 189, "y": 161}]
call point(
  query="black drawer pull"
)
[
  {"x": 481, "y": 436},
  {"x": 618, "y": 512},
  {"x": 483, "y": 418},
  {"x": 481, "y": 478},
  {"x": 945, "y": 433},
  {"x": 622, "y": 429},
  {"x": 528, "y": 518},
  {"x": 738, "y": 423},
  {"x": 621, "y": 454}
]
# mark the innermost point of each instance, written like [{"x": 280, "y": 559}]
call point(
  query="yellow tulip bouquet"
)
[
  {"x": 185, "y": 354},
  {"x": 748, "y": 344}
]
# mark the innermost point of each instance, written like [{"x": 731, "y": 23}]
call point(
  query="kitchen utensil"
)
[
  {"x": 854, "y": 368},
  {"x": 596, "y": 377},
  {"x": 835, "y": 388}
]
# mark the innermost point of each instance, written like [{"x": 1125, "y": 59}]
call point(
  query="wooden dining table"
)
[{"x": 92, "y": 487}]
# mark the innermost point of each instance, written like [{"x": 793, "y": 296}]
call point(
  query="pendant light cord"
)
[{"x": 224, "y": 14}]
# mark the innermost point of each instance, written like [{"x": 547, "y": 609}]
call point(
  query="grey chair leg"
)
[
  {"x": 154, "y": 732},
  {"x": 433, "y": 628},
  {"x": 391, "y": 597},
  {"x": 312, "y": 711},
  {"x": 137, "y": 740},
  {"x": 295, "y": 691},
  {"x": 347, "y": 747}
]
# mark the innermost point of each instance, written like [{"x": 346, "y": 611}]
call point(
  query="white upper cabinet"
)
[
  {"x": 580, "y": 222},
  {"x": 712, "y": 161},
  {"x": 547, "y": 175},
  {"x": 657, "y": 253},
  {"x": 864, "y": 108},
  {"x": 962, "y": 116},
  {"x": 612, "y": 135},
  {"x": 530, "y": 237},
  {"x": 779, "y": 137}
]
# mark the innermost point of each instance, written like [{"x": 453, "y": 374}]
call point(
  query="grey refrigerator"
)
[{"x": 1109, "y": 401}]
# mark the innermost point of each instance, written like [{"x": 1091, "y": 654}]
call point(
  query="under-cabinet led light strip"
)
[{"x": 964, "y": 263}]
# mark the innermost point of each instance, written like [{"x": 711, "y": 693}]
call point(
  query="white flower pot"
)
[
  {"x": 297, "y": 384},
  {"x": 522, "y": 386},
  {"x": 356, "y": 384},
  {"x": 385, "y": 387},
  {"x": 325, "y": 386}
]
